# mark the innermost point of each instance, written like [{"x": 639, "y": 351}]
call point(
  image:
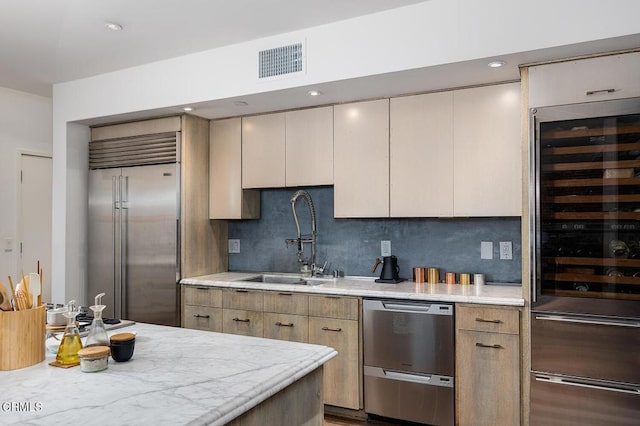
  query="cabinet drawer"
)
[
  {"x": 203, "y": 296},
  {"x": 294, "y": 328},
  {"x": 247, "y": 323},
  {"x": 488, "y": 319},
  {"x": 333, "y": 307},
  {"x": 203, "y": 318},
  {"x": 286, "y": 303},
  {"x": 242, "y": 299}
]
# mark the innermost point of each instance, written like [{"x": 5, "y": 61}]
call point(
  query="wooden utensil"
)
[
  {"x": 13, "y": 292},
  {"x": 40, "y": 291},
  {"x": 5, "y": 298},
  {"x": 22, "y": 293},
  {"x": 34, "y": 288}
]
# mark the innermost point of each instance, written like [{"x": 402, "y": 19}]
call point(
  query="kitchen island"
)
[{"x": 176, "y": 377}]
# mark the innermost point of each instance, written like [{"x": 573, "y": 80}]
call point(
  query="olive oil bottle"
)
[{"x": 71, "y": 342}]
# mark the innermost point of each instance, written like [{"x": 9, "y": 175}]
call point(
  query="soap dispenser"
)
[{"x": 97, "y": 334}]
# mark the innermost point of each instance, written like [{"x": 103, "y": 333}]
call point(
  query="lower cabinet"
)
[
  {"x": 487, "y": 366},
  {"x": 202, "y": 308},
  {"x": 328, "y": 320},
  {"x": 342, "y": 375},
  {"x": 247, "y": 323}
]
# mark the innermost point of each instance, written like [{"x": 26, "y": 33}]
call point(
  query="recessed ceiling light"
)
[
  {"x": 314, "y": 93},
  {"x": 240, "y": 103},
  {"x": 187, "y": 109},
  {"x": 113, "y": 26},
  {"x": 497, "y": 64}
]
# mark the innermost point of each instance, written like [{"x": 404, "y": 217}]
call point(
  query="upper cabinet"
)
[
  {"x": 288, "y": 149},
  {"x": 361, "y": 159},
  {"x": 585, "y": 80},
  {"x": 487, "y": 151},
  {"x": 227, "y": 199},
  {"x": 263, "y": 151},
  {"x": 309, "y": 147},
  {"x": 421, "y": 155}
]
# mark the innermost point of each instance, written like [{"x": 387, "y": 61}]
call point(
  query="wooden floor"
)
[{"x": 341, "y": 421}]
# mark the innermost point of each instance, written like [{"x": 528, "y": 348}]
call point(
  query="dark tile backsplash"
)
[{"x": 352, "y": 245}]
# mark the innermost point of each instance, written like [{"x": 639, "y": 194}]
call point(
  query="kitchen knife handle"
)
[
  {"x": 495, "y": 321},
  {"x": 280, "y": 324},
  {"x": 482, "y": 345},
  {"x": 241, "y": 320},
  {"x": 202, "y": 316},
  {"x": 331, "y": 329}
]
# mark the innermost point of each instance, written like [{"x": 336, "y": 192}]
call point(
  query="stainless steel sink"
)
[{"x": 280, "y": 279}]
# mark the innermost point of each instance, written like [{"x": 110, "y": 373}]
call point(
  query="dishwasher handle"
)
[
  {"x": 404, "y": 376},
  {"x": 409, "y": 307}
]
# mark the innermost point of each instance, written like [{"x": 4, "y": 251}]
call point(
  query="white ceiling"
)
[
  {"x": 43, "y": 42},
  {"x": 51, "y": 41}
]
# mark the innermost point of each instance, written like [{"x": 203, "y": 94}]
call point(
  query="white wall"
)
[
  {"x": 25, "y": 126},
  {"x": 432, "y": 33}
]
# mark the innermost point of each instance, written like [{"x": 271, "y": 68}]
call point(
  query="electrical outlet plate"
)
[
  {"x": 8, "y": 244},
  {"x": 506, "y": 250},
  {"x": 234, "y": 245},
  {"x": 486, "y": 250},
  {"x": 385, "y": 248}
]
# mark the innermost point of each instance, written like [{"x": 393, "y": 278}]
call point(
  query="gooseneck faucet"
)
[{"x": 301, "y": 239}]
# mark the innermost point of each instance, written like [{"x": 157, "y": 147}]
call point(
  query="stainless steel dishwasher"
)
[{"x": 409, "y": 360}]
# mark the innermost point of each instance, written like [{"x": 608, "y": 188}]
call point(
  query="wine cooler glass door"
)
[{"x": 587, "y": 202}]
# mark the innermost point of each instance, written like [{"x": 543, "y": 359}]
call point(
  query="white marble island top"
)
[
  {"x": 507, "y": 295},
  {"x": 176, "y": 376}
]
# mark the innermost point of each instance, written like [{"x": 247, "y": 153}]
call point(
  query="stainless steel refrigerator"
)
[
  {"x": 585, "y": 310},
  {"x": 134, "y": 223}
]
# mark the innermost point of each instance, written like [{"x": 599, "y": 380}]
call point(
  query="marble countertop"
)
[
  {"x": 492, "y": 294},
  {"x": 176, "y": 376}
]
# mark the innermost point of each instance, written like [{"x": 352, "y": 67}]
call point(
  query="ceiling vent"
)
[{"x": 279, "y": 61}]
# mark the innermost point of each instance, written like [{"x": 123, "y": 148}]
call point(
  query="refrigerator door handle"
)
[
  {"x": 124, "y": 218},
  {"x": 115, "y": 216},
  {"x": 615, "y": 323},
  {"x": 578, "y": 383}
]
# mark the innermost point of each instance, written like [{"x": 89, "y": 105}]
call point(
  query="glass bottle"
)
[
  {"x": 71, "y": 343},
  {"x": 97, "y": 334}
]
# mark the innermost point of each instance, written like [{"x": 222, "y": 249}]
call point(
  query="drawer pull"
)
[
  {"x": 242, "y": 291},
  {"x": 491, "y": 321},
  {"x": 285, "y": 294},
  {"x": 331, "y": 329},
  {"x": 280, "y": 324},
  {"x": 202, "y": 288},
  {"x": 241, "y": 320},
  {"x": 600, "y": 92},
  {"x": 482, "y": 345},
  {"x": 332, "y": 297},
  {"x": 202, "y": 316}
]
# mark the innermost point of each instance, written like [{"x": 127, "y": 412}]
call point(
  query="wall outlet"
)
[
  {"x": 506, "y": 250},
  {"x": 486, "y": 250},
  {"x": 8, "y": 244},
  {"x": 385, "y": 248},
  {"x": 234, "y": 245}
]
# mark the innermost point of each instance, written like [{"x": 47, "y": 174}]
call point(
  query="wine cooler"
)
[{"x": 585, "y": 302}]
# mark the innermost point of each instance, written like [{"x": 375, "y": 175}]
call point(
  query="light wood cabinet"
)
[
  {"x": 279, "y": 326},
  {"x": 309, "y": 147},
  {"x": 263, "y": 151},
  {"x": 227, "y": 199},
  {"x": 487, "y": 153},
  {"x": 202, "y": 308},
  {"x": 361, "y": 159},
  {"x": 246, "y": 323},
  {"x": 328, "y": 320},
  {"x": 487, "y": 365},
  {"x": 342, "y": 374},
  {"x": 334, "y": 322},
  {"x": 585, "y": 80},
  {"x": 421, "y": 155}
]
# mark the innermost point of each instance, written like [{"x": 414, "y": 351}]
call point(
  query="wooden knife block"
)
[{"x": 22, "y": 338}]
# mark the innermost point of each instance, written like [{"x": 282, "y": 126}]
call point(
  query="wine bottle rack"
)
[{"x": 590, "y": 195}]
